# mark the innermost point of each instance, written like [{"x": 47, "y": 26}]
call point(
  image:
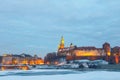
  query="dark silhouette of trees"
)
[{"x": 50, "y": 57}]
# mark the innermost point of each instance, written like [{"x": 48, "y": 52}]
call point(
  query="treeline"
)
[{"x": 51, "y": 58}]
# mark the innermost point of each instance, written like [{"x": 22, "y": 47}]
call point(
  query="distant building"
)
[
  {"x": 116, "y": 50},
  {"x": 15, "y": 59},
  {"x": 115, "y": 55},
  {"x": 7, "y": 59}
]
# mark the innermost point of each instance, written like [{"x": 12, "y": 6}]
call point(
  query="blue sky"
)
[{"x": 36, "y": 26}]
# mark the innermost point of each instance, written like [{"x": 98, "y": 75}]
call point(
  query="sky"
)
[{"x": 36, "y": 26}]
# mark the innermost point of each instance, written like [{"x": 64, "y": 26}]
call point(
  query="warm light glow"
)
[
  {"x": 56, "y": 62},
  {"x": 108, "y": 53},
  {"x": 39, "y": 61},
  {"x": 25, "y": 61},
  {"x": 2, "y": 68},
  {"x": 86, "y": 53},
  {"x": 116, "y": 59},
  {"x": 25, "y": 68},
  {"x": 61, "y": 45},
  {"x": 32, "y": 62},
  {"x": 15, "y": 62},
  {"x": 7, "y": 59}
]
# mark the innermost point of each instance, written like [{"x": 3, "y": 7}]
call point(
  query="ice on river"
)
[{"x": 57, "y": 74}]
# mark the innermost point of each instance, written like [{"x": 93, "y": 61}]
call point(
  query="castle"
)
[{"x": 112, "y": 55}]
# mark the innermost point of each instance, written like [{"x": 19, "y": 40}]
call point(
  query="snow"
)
[{"x": 89, "y": 75}]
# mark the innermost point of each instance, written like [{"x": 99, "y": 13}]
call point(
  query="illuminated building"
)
[
  {"x": 39, "y": 61},
  {"x": 115, "y": 55},
  {"x": 90, "y": 52},
  {"x": 19, "y": 61},
  {"x": 7, "y": 59}
]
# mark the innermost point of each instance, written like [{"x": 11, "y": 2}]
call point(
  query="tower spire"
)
[
  {"x": 61, "y": 45},
  {"x": 62, "y": 40}
]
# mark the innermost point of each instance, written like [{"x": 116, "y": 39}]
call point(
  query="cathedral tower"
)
[{"x": 61, "y": 45}]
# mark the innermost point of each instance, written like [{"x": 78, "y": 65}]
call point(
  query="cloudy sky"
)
[{"x": 36, "y": 26}]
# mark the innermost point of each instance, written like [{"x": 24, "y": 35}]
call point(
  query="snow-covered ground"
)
[{"x": 59, "y": 75}]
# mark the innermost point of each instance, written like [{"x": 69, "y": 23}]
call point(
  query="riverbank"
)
[{"x": 109, "y": 67}]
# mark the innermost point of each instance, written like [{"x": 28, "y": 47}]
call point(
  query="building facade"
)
[{"x": 89, "y": 52}]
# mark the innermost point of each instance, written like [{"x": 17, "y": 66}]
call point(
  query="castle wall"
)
[{"x": 89, "y": 53}]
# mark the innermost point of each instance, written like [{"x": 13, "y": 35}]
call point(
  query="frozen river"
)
[{"x": 59, "y": 75}]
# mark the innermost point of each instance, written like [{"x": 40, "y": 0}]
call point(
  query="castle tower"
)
[
  {"x": 61, "y": 45},
  {"x": 107, "y": 49}
]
